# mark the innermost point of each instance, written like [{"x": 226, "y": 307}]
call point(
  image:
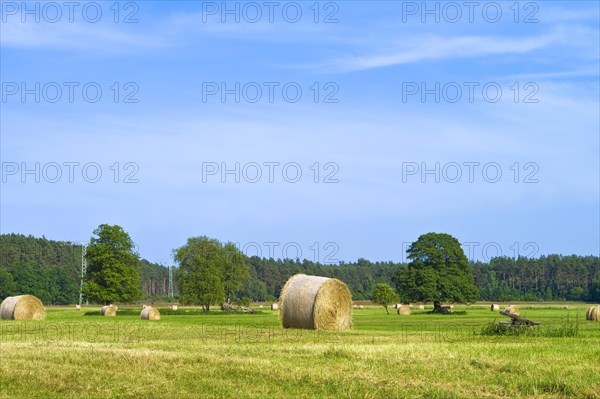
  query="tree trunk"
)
[{"x": 437, "y": 307}]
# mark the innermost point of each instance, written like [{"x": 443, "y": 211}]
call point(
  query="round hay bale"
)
[
  {"x": 108, "y": 310},
  {"x": 361, "y": 307},
  {"x": 22, "y": 307},
  {"x": 150, "y": 313},
  {"x": 354, "y": 306},
  {"x": 404, "y": 310},
  {"x": 173, "y": 307},
  {"x": 494, "y": 307},
  {"x": 566, "y": 307},
  {"x": 313, "y": 302},
  {"x": 512, "y": 309},
  {"x": 593, "y": 313},
  {"x": 77, "y": 307},
  {"x": 274, "y": 306},
  {"x": 421, "y": 307}
]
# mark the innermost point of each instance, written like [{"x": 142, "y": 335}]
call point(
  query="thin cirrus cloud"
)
[
  {"x": 72, "y": 36},
  {"x": 435, "y": 47}
]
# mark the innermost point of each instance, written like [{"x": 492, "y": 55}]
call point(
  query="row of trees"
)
[{"x": 50, "y": 270}]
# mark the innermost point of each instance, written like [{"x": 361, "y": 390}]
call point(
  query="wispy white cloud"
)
[
  {"x": 73, "y": 36},
  {"x": 435, "y": 47}
]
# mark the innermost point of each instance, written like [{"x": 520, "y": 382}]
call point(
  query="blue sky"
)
[{"x": 362, "y": 120}]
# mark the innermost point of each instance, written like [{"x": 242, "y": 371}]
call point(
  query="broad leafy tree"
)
[
  {"x": 384, "y": 295},
  {"x": 112, "y": 270},
  {"x": 209, "y": 271},
  {"x": 438, "y": 272}
]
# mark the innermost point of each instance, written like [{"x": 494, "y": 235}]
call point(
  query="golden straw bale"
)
[{"x": 313, "y": 302}]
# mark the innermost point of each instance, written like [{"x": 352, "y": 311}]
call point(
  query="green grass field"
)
[{"x": 70, "y": 355}]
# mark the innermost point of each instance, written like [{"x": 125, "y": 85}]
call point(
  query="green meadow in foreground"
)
[{"x": 192, "y": 355}]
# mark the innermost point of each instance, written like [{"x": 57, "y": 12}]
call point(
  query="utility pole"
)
[
  {"x": 171, "y": 281},
  {"x": 83, "y": 271}
]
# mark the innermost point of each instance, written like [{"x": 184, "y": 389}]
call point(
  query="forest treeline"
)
[{"x": 51, "y": 271}]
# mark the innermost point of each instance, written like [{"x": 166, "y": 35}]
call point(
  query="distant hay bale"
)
[
  {"x": 274, "y": 306},
  {"x": 361, "y": 307},
  {"x": 150, "y": 313},
  {"x": 313, "y": 302},
  {"x": 173, "y": 307},
  {"x": 77, "y": 307},
  {"x": 108, "y": 310},
  {"x": 494, "y": 307},
  {"x": 22, "y": 307},
  {"x": 404, "y": 310},
  {"x": 593, "y": 313},
  {"x": 512, "y": 309},
  {"x": 566, "y": 307},
  {"x": 354, "y": 306},
  {"x": 421, "y": 307}
]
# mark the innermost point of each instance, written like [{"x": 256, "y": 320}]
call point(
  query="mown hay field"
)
[{"x": 69, "y": 355}]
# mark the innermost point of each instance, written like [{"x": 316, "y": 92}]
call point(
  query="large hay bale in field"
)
[
  {"x": 593, "y": 313},
  {"x": 108, "y": 310},
  {"x": 313, "y": 302},
  {"x": 22, "y": 307},
  {"x": 173, "y": 307},
  {"x": 494, "y": 307},
  {"x": 150, "y": 313},
  {"x": 512, "y": 309},
  {"x": 404, "y": 310},
  {"x": 77, "y": 307},
  {"x": 274, "y": 306}
]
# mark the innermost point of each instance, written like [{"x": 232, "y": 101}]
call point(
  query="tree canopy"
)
[
  {"x": 546, "y": 278},
  {"x": 384, "y": 295},
  {"x": 209, "y": 271},
  {"x": 438, "y": 272},
  {"x": 112, "y": 269}
]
